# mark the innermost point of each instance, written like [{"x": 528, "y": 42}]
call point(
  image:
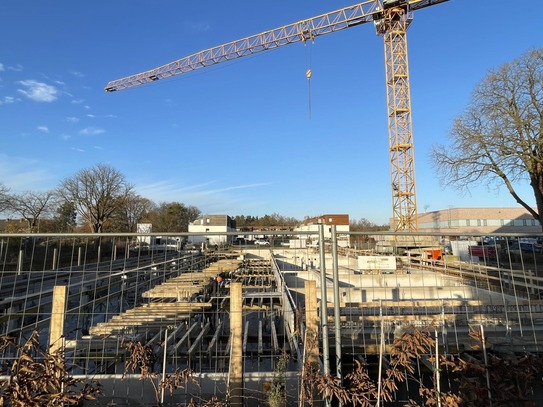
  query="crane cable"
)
[{"x": 308, "y": 74}]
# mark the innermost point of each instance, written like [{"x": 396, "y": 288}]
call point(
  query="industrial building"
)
[{"x": 479, "y": 221}]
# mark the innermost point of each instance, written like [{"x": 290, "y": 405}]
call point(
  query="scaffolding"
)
[{"x": 99, "y": 298}]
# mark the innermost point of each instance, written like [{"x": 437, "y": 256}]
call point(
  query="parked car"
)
[
  {"x": 261, "y": 242},
  {"x": 526, "y": 247}
]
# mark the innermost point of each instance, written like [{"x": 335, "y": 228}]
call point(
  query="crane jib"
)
[
  {"x": 303, "y": 30},
  {"x": 299, "y": 31}
]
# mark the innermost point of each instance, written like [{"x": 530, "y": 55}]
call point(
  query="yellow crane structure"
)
[{"x": 391, "y": 19}]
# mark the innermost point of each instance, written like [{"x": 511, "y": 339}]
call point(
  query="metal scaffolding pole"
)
[
  {"x": 337, "y": 300},
  {"x": 324, "y": 305}
]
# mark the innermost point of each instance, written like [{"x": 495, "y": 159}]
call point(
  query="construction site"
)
[
  {"x": 240, "y": 319},
  {"x": 355, "y": 318}
]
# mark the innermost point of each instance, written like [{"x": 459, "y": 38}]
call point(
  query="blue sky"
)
[{"x": 237, "y": 138}]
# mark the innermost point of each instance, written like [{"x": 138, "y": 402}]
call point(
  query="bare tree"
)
[
  {"x": 132, "y": 211},
  {"x": 31, "y": 206},
  {"x": 365, "y": 225},
  {"x": 97, "y": 193},
  {"x": 4, "y": 197},
  {"x": 498, "y": 139},
  {"x": 172, "y": 217}
]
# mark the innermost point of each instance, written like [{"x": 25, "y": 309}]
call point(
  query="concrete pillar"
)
[
  {"x": 236, "y": 353},
  {"x": 311, "y": 340},
  {"x": 56, "y": 330}
]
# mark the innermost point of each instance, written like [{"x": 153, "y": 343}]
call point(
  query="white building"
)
[
  {"x": 207, "y": 230},
  {"x": 341, "y": 221}
]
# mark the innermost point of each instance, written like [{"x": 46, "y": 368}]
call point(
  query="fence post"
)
[
  {"x": 54, "y": 266},
  {"x": 20, "y": 262},
  {"x": 236, "y": 353},
  {"x": 56, "y": 330}
]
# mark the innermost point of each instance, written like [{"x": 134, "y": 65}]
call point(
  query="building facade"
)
[
  {"x": 479, "y": 221},
  {"x": 341, "y": 221},
  {"x": 209, "y": 228}
]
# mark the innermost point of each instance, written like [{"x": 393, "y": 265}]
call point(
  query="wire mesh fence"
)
[{"x": 158, "y": 324}]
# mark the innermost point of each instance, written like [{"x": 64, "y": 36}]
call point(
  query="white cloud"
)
[
  {"x": 38, "y": 91},
  {"x": 77, "y": 101},
  {"x": 91, "y": 116},
  {"x": 17, "y": 68},
  {"x": 77, "y": 74},
  {"x": 23, "y": 174},
  {"x": 8, "y": 100},
  {"x": 203, "y": 196},
  {"x": 43, "y": 129},
  {"x": 198, "y": 27},
  {"x": 91, "y": 131},
  {"x": 79, "y": 150},
  {"x": 72, "y": 119}
]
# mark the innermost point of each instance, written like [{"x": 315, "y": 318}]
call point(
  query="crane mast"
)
[
  {"x": 393, "y": 27},
  {"x": 391, "y": 19}
]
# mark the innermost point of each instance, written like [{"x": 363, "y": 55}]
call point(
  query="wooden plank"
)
[
  {"x": 275, "y": 342},
  {"x": 183, "y": 340},
  {"x": 155, "y": 338},
  {"x": 177, "y": 305},
  {"x": 214, "y": 339},
  {"x": 260, "y": 345},
  {"x": 199, "y": 339},
  {"x": 171, "y": 335},
  {"x": 228, "y": 345},
  {"x": 417, "y": 304},
  {"x": 245, "y": 336}
]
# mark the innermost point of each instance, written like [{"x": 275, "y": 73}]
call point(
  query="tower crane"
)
[{"x": 391, "y": 19}]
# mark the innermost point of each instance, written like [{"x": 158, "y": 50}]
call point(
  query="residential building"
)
[
  {"x": 209, "y": 228},
  {"x": 341, "y": 221}
]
